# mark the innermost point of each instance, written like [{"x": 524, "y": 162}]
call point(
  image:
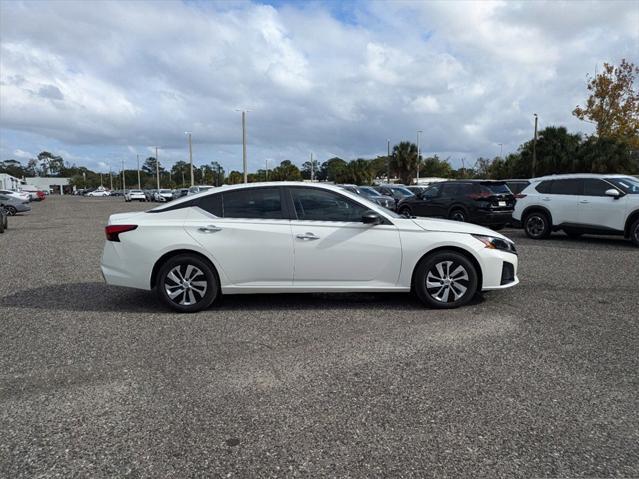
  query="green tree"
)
[
  {"x": 404, "y": 161},
  {"x": 234, "y": 178},
  {"x": 308, "y": 167},
  {"x": 434, "y": 167},
  {"x": 13, "y": 168},
  {"x": 613, "y": 104},
  {"x": 359, "y": 172},
  {"x": 149, "y": 166},
  {"x": 49, "y": 164},
  {"x": 217, "y": 172},
  {"x": 286, "y": 171},
  {"x": 331, "y": 169},
  {"x": 556, "y": 153},
  {"x": 607, "y": 155},
  {"x": 181, "y": 173}
]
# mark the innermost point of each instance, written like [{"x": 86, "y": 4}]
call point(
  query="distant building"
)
[
  {"x": 50, "y": 184},
  {"x": 8, "y": 182}
]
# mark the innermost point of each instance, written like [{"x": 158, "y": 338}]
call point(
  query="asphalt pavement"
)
[{"x": 98, "y": 381}]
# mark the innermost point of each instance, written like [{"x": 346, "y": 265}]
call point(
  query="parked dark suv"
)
[{"x": 488, "y": 203}]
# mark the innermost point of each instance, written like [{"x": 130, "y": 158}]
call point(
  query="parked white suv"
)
[{"x": 580, "y": 204}]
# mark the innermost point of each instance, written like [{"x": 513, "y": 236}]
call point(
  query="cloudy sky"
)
[{"x": 100, "y": 82}]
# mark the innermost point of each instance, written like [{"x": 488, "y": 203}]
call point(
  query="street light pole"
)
[
  {"x": 123, "y": 179},
  {"x": 500, "y": 149},
  {"x": 244, "y": 146},
  {"x": 110, "y": 177},
  {"x": 312, "y": 167},
  {"x": 388, "y": 160},
  {"x": 534, "y": 158},
  {"x": 139, "y": 182},
  {"x": 266, "y": 170},
  {"x": 157, "y": 167},
  {"x": 190, "y": 157},
  {"x": 418, "y": 153}
]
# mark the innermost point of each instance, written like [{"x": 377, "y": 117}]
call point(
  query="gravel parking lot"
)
[{"x": 99, "y": 381}]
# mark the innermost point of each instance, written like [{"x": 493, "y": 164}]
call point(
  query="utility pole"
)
[
  {"x": 534, "y": 158},
  {"x": 101, "y": 180},
  {"x": 388, "y": 160},
  {"x": 418, "y": 153},
  {"x": 244, "y": 146},
  {"x": 190, "y": 157},
  {"x": 463, "y": 167},
  {"x": 500, "y": 149},
  {"x": 157, "y": 166},
  {"x": 139, "y": 182},
  {"x": 182, "y": 177},
  {"x": 312, "y": 167},
  {"x": 123, "y": 180},
  {"x": 266, "y": 170},
  {"x": 110, "y": 177}
]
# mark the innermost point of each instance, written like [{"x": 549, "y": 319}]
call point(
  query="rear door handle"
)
[
  {"x": 546, "y": 199},
  {"x": 209, "y": 229},
  {"x": 584, "y": 201},
  {"x": 308, "y": 236}
]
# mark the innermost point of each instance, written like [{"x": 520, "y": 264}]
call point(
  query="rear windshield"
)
[
  {"x": 402, "y": 191},
  {"x": 368, "y": 191},
  {"x": 496, "y": 188}
]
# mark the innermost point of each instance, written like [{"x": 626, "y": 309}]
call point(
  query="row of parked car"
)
[{"x": 576, "y": 204}]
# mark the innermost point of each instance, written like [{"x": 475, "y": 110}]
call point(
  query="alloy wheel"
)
[
  {"x": 11, "y": 210},
  {"x": 535, "y": 226},
  {"x": 185, "y": 284},
  {"x": 458, "y": 215},
  {"x": 447, "y": 281}
]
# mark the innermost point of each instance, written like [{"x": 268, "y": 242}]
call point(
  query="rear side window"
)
[
  {"x": 544, "y": 186},
  {"x": 318, "y": 205},
  {"x": 450, "y": 189},
  {"x": 258, "y": 203},
  {"x": 566, "y": 187},
  {"x": 595, "y": 187},
  {"x": 212, "y": 204}
]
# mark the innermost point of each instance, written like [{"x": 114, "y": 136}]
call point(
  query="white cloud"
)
[{"x": 118, "y": 77}]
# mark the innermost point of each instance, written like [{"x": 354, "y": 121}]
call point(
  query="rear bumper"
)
[{"x": 492, "y": 217}]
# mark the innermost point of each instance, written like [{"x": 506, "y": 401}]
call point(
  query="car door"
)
[
  {"x": 598, "y": 210},
  {"x": 429, "y": 203},
  {"x": 562, "y": 200},
  {"x": 334, "y": 248},
  {"x": 248, "y": 234}
]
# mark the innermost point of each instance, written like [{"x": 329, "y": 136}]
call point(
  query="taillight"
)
[
  {"x": 113, "y": 231},
  {"x": 519, "y": 196}
]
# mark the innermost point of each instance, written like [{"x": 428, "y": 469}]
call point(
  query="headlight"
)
[{"x": 497, "y": 243}]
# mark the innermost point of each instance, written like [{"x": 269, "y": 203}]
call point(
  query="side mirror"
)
[
  {"x": 613, "y": 193},
  {"x": 371, "y": 218}
]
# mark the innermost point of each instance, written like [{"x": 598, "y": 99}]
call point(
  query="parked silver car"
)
[{"x": 13, "y": 205}]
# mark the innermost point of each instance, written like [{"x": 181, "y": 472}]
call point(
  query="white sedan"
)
[
  {"x": 295, "y": 237},
  {"x": 134, "y": 195}
]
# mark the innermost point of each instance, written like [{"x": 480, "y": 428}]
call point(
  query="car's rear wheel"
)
[
  {"x": 537, "y": 225},
  {"x": 187, "y": 283},
  {"x": 445, "y": 280},
  {"x": 634, "y": 233},
  {"x": 458, "y": 215},
  {"x": 11, "y": 210}
]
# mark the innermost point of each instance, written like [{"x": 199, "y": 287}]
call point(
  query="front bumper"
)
[{"x": 499, "y": 269}]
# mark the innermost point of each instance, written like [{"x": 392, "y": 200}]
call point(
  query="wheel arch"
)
[
  {"x": 467, "y": 254},
  {"x": 171, "y": 254},
  {"x": 632, "y": 217}
]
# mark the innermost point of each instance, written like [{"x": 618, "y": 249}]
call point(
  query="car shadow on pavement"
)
[
  {"x": 99, "y": 297},
  {"x": 563, "y": 240}
]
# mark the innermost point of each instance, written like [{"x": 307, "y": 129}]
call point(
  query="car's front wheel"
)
[
  {"x": 634, "y": 233},
  {"x": 187, "y": 283},
  {"x": 537, "y": 225},
  {"x": 405, "y": 211},
  {"x": 11, "y": 210},
  {"x": 445, "y": 280},
  {"x": 458, "y": 215}
]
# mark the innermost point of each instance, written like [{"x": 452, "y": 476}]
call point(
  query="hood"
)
[{"x": 450, "y": 226}]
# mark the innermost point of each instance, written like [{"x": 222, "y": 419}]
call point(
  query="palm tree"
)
[{"x": 404, "y": 161}]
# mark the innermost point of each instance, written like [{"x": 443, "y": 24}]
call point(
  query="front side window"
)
[
  {"x": 257, "y": 203},
  {"x": 319, "y": 205},
  {"x": 627, "y": 185},
  {"x": 431, "y": 191},
  {"x": 594, "y": 187}
]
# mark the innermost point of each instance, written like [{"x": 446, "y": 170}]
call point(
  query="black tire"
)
[
  {"x": 634, "y": 233},
  {"x": 458, "y": 215},
  {"x": 405, "y": 211},
  {"x": 438, "y": 279},
  {"x": 178, "y": 267},
  {"x": 573, "y": 233},
  {"x": 537, "y": 225},
  {"x": 497, "y": 227},
  {"x": 11, "y": 210}
]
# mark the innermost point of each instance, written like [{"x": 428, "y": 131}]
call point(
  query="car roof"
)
[
  {"x": 568, "y": 176},
  {"x": 276, "y": 184}
]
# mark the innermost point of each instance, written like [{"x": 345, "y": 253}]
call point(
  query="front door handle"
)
[
  {"x": 546, "y": 199},
  {"x": 209, "y": 229},
  {"x": 584, "y": 201},
  {"x": 308, "y": 236}
]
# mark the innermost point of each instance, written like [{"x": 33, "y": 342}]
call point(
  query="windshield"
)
[
  {"x": 374, "y": 206},
  {"x": 402, "y": 191},
  {"x": 368, "y": 191},
  {"x": 627, "y": 185}
]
